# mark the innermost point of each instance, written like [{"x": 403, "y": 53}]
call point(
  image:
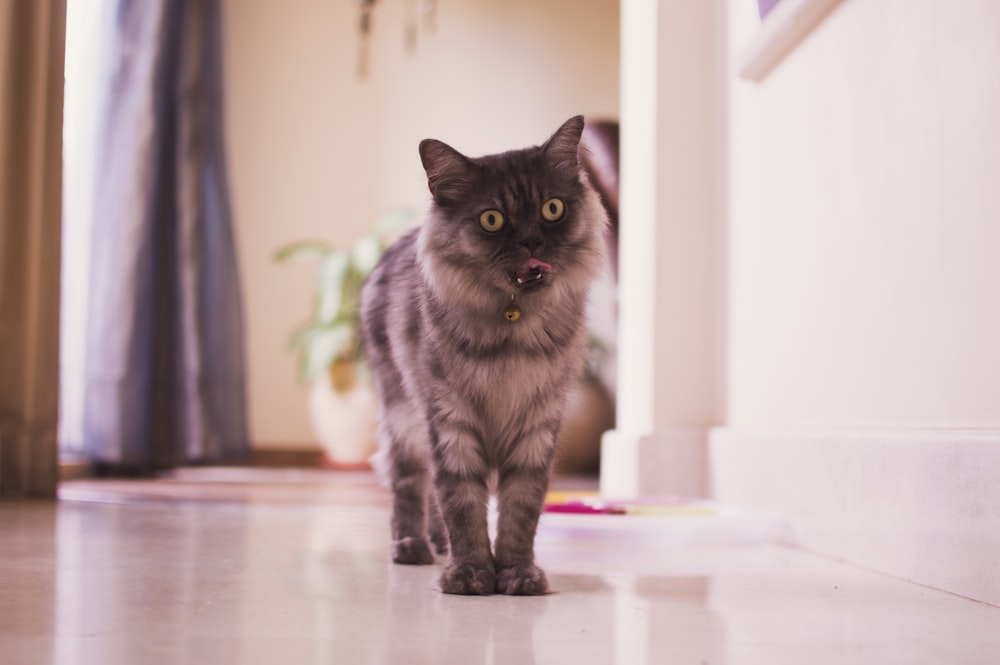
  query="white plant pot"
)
[{"x": 344, "y": 422}]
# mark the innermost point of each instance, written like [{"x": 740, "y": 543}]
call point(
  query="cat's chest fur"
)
[
  {"x": 507, "y": 373},
  {"x": 509, "y": 395},
  {"x": 515, "y": 374}
]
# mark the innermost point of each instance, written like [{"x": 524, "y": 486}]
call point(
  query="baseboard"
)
[
  {"x": 923, "y": 505},
  {"x": 304, "y": 457},
  {"x": 73, "y": 468}
]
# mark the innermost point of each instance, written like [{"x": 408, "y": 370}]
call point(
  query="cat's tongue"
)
[{"x": 531, "y": 270}]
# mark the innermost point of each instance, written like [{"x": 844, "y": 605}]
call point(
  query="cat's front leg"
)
[
  {"x": 463, "y": 501},
  {"x": 521, "y": 494}
]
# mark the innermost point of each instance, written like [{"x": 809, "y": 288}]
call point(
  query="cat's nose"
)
[{"x": 532, "y": 243}]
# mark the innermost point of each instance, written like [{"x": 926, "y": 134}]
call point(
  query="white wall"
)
[
  {"x": 671, "y": 361},
  {"x": 864, "y": 235},
  {"x": 690, "y": 210},
  {"x": 865, "y": 221},
  {"x": 316, "y": 153}
]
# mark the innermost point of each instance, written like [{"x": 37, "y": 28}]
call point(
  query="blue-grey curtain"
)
[{"x": 164, "y": 370}]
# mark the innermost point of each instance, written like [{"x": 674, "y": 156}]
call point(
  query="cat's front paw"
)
[
  {"x": 522, "y": 581},
  {"x": 467, "y": 579},
  {"x": 412, "y": 551}
]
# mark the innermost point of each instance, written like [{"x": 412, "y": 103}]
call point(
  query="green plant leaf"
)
[
  {"x": 366, "y": 253},
  {"x": 302, "y": 337},
  {"x": 324, "y": 346},
  {"x": 333, "y": 272},
  {"x": 302, "y": 250},
  {"x": 332, "y": 332}
]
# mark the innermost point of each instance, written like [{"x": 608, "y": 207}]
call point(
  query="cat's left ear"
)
[
  {"x": 563, "y": 147},
  {"x": 448, "y": 170}
]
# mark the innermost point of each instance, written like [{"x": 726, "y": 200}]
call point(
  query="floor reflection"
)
[
  {"x": 396, "y": 614},
  {"x": 126, "y": 571},
  {"x": 299, "y": 573},
  {"x": 27, "y": 580}
]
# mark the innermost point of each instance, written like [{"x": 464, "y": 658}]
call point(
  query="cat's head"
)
[{"x": 523, "y": 223}]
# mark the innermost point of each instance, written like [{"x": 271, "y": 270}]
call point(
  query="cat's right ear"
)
[{"x": 448, "y": 171}]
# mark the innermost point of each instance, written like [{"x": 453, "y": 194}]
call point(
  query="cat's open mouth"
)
[{"x": 531, "y": 273}]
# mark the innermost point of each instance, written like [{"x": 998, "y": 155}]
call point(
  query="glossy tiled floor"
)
[{"x": 209, "y": 569}]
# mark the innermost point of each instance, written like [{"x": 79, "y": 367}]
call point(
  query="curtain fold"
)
[
  {"x": 31, "y": 78},
  {"x": 164, "y": 377}
]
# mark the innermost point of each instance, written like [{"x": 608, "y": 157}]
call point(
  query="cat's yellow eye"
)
[
  {"x": 491, "y": 220},
  {"x": 553, "y": 210}
]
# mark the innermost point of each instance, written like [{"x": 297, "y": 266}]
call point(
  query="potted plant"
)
[{"x": 331, "y": 358}]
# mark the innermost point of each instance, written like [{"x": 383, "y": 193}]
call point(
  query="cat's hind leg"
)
[
  {"x": 409, "y": 497},
  {"x": 435, "y": 528},
  {"x": 409, "y": 479}
]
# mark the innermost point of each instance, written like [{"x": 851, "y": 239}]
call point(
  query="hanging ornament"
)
[
  {"x": 417, "y": 13},
  {"x": 428, "y": 8},
  {"x": 411, "y": 27},
  {"x": 364, "y": 36}
]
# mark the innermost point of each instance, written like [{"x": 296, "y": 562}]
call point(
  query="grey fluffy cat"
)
[{"x": 474, "y": 326}]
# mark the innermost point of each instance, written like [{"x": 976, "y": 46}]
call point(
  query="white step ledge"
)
[{"x": 923, "y": 505}]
